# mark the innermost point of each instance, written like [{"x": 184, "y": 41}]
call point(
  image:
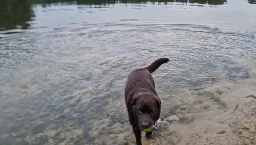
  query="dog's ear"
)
[
  {"x": 134, "y": 99},
  {"x": 158, "y": 109}
]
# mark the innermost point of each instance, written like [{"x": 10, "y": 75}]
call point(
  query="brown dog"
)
[{"x": 142, "y": 102}]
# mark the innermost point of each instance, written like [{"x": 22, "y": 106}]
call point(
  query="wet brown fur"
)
[{"x": 142, "y": 102}]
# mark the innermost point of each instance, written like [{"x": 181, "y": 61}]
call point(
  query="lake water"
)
[{"x": 63, "y": 65}]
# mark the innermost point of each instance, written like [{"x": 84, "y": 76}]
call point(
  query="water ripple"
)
[{"x": 71, "y": 79}]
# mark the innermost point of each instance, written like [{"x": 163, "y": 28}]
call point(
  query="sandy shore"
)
[{"x": 221, "y": 114}]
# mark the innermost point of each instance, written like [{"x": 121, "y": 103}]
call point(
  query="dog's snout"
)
[{"x": 145, "y": 124}]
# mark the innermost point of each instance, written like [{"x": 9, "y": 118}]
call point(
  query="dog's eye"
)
[{"x": 150, "y": 111}]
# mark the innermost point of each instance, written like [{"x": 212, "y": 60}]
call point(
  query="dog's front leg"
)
[{"x": 137, "y": 133}]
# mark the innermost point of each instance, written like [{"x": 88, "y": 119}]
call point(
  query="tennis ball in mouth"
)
[{"x": 148, "y": 129}]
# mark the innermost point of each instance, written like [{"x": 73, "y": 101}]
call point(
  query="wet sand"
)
[{"x": 219, "y": 114}]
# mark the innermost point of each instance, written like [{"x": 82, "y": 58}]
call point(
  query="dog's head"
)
[{"x": 146, "y": 107}]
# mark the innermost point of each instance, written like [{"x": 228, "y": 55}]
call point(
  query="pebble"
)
[{"x": 173, "y": 118}]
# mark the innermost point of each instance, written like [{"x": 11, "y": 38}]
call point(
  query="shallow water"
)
[{"x": 62, "y": 76}]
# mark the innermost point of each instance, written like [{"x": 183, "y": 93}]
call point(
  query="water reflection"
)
[
  {"x": 211, "y": 2},
  {"x": 15, "y": 13},
  {"x": 104, "y": 2},
  {"x": 252, "y": 1}
]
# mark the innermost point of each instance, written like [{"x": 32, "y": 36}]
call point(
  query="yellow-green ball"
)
[{"x": 148, "y": 129}]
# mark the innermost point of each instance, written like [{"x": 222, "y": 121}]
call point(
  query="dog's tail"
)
[{"x": 155, "y": 65}]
